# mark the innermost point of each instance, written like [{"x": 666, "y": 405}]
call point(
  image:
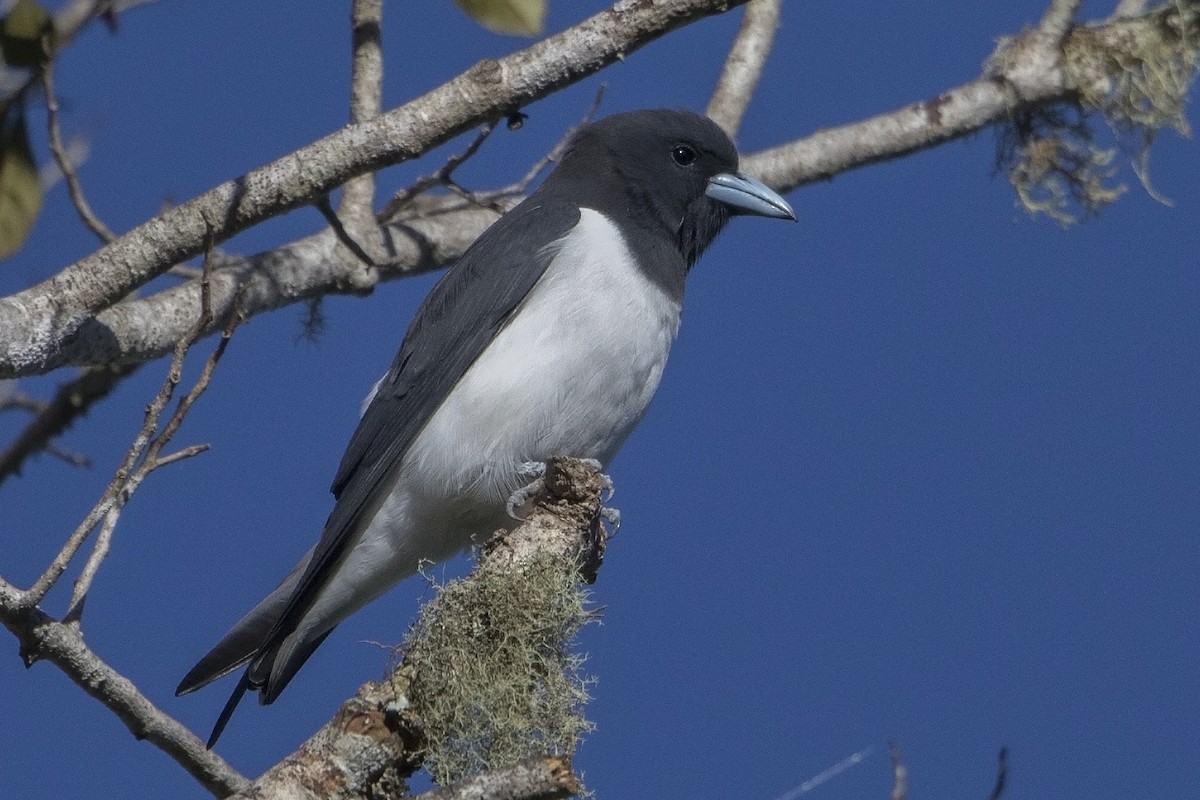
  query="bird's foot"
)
[{"x": 535, "y": 473}]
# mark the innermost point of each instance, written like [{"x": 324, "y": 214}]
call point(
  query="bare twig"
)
[
  {"x": 744, "y": 64},
  {"x": 343, "y": 235},
  {"x": 43, "y": 638},
  {"x": 75, "y": 189},
  {"x": 70, "y": 402},
  {"x": 827, "y": 774},
  {"x": 545, "y": 162},
  {"x": 443, "y": 177},
  {"x": 494, "y": 198},
  {"x": 899, "y": 773},
  {"x": 83, "y": 583},
  {"x": 81, "y": 460},
  {"x": 19, "y": 401},
  {"x": 140, "y": 460},
  {"x": 1056, "y": 22},
  {"x": 1001, "y": 774},
  {"x": 184, "y": 273}
]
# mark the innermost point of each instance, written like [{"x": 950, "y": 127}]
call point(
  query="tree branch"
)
[
  {"x": 377, "y": 739},
  {"x": 366, "y": 101},
  {"x": 70, "y": 402},
  {"x": 744, "y": 64},
  {"x": 437, "y": 230},
  {"x": 43, "y": 638},
  {"x": 74, "y": 188},
  {"x": 43, "y": 317}
]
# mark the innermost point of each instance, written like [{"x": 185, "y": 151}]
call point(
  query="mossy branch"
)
[{"x": 485, "y": 681}]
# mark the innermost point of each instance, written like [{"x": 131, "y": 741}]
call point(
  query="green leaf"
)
[
  {"x": 517, "y": 17},
  {"x": 20, "y": 188},
  {"x": 26, "y": 35}
]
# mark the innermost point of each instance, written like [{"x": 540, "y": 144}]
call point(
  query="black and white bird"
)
[{"x": 548, "y": 337}]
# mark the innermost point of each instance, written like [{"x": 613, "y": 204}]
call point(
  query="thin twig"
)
[
  {"x": 184, "y": 273},
  {"x": 75, "y": 189},
  {"x": 326, "y": 208},
  {"x": 442, "y": 177},
  {"x": 744, "y": 64},
  {"x": 83, "y": 583},
  {"x": 44, "y": 638},
  {"x": 72, "y": 400},
  {"x": 553, "y": 157},
  {"x": 1001, "y": 775},
  {"x": 78, "y": 460},
  {"x": 152, "y": 460},
  {"x": 493, "y": 197},
  {"x": 1059, "y": 17},
  {"x": 827, "y": 774},
  {"x": 19, "y": 401},
  {"x": 140, "y": 459},
  {"x": 899, "y": 773}
]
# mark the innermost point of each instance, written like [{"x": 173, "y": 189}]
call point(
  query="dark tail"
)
[{"x": 227, "y": 711}]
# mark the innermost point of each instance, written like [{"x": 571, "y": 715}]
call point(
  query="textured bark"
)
[
  {"x": 38, "y": 320},
  {"x": 41, "y": 329},
  {"x": 374, "y": 742}
]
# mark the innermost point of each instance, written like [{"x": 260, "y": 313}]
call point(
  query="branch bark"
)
[
  {"x": 43, "y": 317},
  {"x": 744, "y": 64},
  {"x": 44, "y": 638},
  {"x": 439, "y": 229},
  {"x": 376, "y": 741}
]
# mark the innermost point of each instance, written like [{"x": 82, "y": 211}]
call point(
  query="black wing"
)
[{"x": 452, "y": 328}]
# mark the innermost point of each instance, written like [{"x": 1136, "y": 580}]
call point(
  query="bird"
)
[{"x": 547, "y": 337}]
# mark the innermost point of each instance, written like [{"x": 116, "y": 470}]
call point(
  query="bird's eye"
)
[{"x": 683, "y": 155}]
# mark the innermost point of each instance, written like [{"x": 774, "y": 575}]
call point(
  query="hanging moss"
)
[{"x": 493, "y": 674}]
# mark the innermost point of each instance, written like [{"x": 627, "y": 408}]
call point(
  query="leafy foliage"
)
[
  {"x": 26, "y": 35},
  {"x": 517, "y": 17},
  {"x": 20, "y": 187}
]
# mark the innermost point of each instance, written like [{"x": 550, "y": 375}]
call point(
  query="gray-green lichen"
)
[
  {"x": 494, "y": 674},
  {"x": 1136, "y": 75}
]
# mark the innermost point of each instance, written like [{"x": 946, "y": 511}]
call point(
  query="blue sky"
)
[{"x": 921, "y": 468}]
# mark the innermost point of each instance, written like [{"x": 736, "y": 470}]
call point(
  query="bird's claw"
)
[
  {"x": 535, "y": 473},
  {"x": 612, "y": 516}
]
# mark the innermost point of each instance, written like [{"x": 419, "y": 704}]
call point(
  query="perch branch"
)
[{"x": 376, "y": 741}]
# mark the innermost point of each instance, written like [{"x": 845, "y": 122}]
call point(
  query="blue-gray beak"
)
[{"x": 745, "y": 195}]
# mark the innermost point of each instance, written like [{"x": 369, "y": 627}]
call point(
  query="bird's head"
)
[{"x": 673, "y": 171}]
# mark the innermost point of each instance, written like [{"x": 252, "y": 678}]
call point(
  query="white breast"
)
[{"x": 571, "y": 374}]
